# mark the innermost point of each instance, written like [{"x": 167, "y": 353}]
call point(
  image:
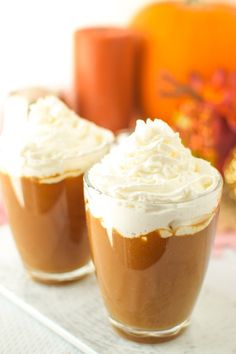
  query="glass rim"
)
[{"x": 219, "y": 186}]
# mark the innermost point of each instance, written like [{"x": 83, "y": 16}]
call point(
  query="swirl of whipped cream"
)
[
  {"x": 52, "y": 141},
  {"x": 153, "y": 166}
]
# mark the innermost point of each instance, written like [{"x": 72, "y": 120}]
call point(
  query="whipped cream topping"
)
[
  {"x": 52, "y": 141},
  {"x": 150, "y": 167}
]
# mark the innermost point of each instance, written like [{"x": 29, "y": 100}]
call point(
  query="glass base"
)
[
  {"x": 136, "y": 334},
  {"x": 59, "y": 278}
]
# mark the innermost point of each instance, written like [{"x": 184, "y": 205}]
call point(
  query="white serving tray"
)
[{"x": 76, "y": 313}]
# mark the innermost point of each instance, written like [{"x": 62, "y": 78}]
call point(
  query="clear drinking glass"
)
[
  {"x": 149, "y": 283},
  {"x": 47, "y": 219}
]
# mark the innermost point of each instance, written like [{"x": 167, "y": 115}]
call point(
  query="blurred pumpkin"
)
[{"x": 181, "y": 37}]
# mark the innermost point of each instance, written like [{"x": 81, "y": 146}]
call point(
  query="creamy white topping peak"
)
[
  {"x": 151, "y": 181},
  {"x": 153, "y": 165},
  {"x": 52, "y": 140}
]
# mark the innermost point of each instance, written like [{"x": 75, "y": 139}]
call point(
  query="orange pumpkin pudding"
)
[
  {"x": 42, "y": 180},
  {"x": 151, "y": 214}
]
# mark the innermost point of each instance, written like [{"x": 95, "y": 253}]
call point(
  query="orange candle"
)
[{"x": 105, "y": 63}]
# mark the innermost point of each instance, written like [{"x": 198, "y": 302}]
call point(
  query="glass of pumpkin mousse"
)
[
  {"x": 151, "y": 214},
  {"x": 42, "y": 163}
]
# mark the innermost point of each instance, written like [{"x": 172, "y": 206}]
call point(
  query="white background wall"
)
[{"x": 35, "y": 37}]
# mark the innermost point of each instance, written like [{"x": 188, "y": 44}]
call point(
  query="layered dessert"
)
[
  {"x": 151, "y": 214},
  {"x": 42, "y": 166}
]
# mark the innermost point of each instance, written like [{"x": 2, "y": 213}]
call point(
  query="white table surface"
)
[
  {"x": 213, "y": 328},
  {"x": 20, "y": 334}
]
